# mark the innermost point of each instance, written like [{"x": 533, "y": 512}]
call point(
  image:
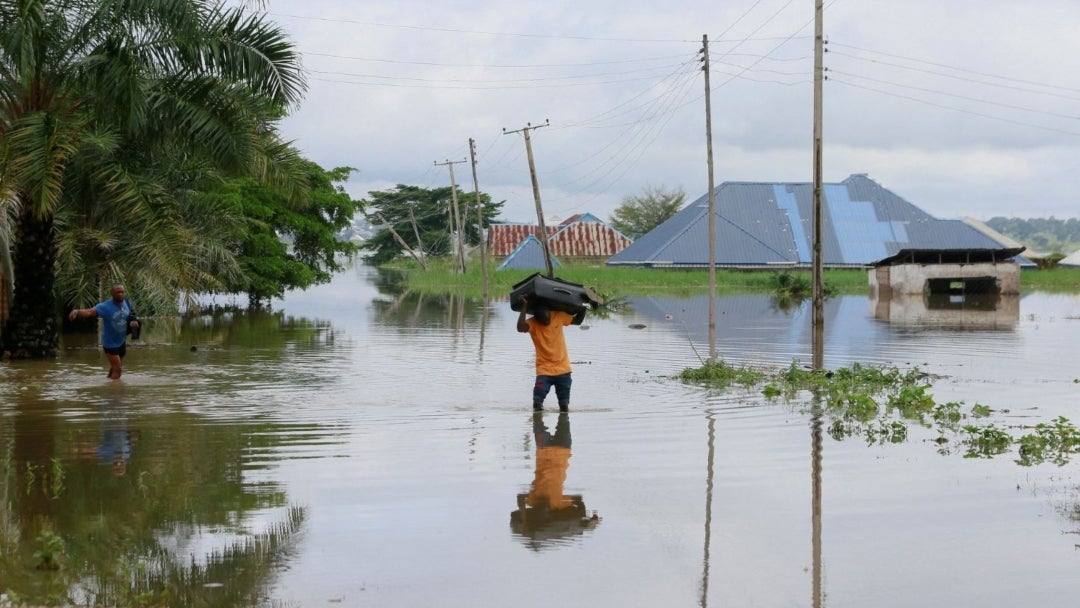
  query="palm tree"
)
[
  {"x": 114, "y": 109},
  {"x": 7, "y": 271}
]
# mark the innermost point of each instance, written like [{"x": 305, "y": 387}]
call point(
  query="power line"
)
[
  {"x": 671, "y": 93},
  {"x": 678, "y": 73},
  {"x": 429, "y": 84},
  {"x": 494, "y": 66},
  {"x": 965, "y": 97},
  {"x": 937, "y": 105},
  {"x": 962, "y": 78},
  {"x": 339, "y": 20},
  {"x": 509, "y": 80},
  {"x": 949, "y": 67}
]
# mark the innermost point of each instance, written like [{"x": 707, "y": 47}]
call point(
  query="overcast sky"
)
[{"x": 963, "y": 107}]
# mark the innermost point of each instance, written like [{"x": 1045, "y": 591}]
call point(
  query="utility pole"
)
[
  {"x": 479, "y": 219},
  {"x": 819, "y": 287},
  {"x": 457, "y": 212},
  {"x": 416, "y": 230},
  {"x": 536, "y": 191},
  {"x": 712, "y": 202},
  {"x": 401, "y": 241}
]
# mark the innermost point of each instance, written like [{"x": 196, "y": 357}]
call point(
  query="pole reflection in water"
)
[
  {"x": 546, "y": 516},
  {"x": 708, "y": 510},
  {"x": 815, "y": 477},
  {"x": 486, "y": 312},
  {"x": 819, "y": 347}
]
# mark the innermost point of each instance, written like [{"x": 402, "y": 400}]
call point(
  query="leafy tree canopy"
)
[
  {"x": 640, "y": 213},
  {"x": 1041, "y": 234},
  {"x": 280, "y": 244},
  {"x": 430, "y": 209},
  {"x": 98, "y": 102}
]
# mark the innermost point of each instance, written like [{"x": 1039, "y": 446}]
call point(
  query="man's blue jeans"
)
[{"x": 544, "y": 384}]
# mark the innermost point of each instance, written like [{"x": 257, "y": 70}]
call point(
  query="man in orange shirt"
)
[{"x": 545, "y": 328}]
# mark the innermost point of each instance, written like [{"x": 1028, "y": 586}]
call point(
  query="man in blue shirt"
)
[{"x": 115, "y": 321}]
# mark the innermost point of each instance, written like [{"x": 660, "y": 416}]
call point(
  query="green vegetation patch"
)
[
  {"x": 442, "y": 276},
  {"x": 879, "y": 405}
]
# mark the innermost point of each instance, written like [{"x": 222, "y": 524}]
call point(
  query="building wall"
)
[{"x": 908, "y": 279}]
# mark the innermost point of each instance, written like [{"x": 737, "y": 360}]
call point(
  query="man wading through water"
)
[
  {"x": 116, "y": 318},
  {"x": 545, "y": 328}
]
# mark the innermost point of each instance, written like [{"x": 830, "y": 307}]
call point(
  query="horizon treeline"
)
[{"x": 1050, "y": 234}]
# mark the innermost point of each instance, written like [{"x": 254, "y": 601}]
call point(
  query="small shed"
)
[
  {"x": 528, "y": 255},
  {"x": 946, "y": 272}
]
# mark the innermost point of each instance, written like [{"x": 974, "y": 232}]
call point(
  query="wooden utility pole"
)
[
  {"x": 401, "y": 241},
  {"x": 819, "y": 286},
  {"x": 536, "y": 191},
  {"x": 456, "y": 211},
  {"x": 416, "y": 230},
  {"x": 479, "y": 218},
  {"x": 712, "y": 201}
]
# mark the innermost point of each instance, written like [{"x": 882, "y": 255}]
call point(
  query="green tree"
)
[
  {"x": 430, "y": 208},
  {"x": 1041, "y": 234},
  {"x": 281, "y": 244},
  {"x": 106, "y": 106},
  {"x": 640, "y": 213}
]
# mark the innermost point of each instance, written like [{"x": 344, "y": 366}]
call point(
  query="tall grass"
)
[
  {"x": 609, "y": 281},
  {"x": 442, "y": 276},
  {"x": 1058, "y": 280}
]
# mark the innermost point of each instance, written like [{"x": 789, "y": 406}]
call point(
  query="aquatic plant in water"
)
[
  {"x": 720, "y": 374},
  {"x": 878, "y": 403}
]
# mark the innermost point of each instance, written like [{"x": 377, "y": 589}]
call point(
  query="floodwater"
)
[{"x": 362, "y": 447}]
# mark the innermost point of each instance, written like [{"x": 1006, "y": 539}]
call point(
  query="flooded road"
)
[{"x": 361, "y": 447}]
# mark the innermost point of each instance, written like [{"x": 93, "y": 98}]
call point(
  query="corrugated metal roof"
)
[
  {"x": 583, "y": 238},
  {"x": 761, "y": 224},
  {"x": 583, "y": 235},
  {"x": 528, "y": 255},
  {"x": 504, "y": 238}
]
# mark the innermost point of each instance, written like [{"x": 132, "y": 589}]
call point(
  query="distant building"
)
[
  {"x": 770, "y": 225},
  {"x": 1072, "y": 259},
  {"x": 529, "y": 255},
  {"x": 578, "y": 236}
]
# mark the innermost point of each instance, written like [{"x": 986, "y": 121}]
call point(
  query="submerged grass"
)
[
  {"x": 1055, "y": 280},
  {"x": 880, "y": 404}
]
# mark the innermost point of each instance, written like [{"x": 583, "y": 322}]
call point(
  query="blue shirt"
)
[{"x": 114, "y": 323}]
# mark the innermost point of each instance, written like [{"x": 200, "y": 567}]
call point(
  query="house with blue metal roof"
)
[
  {"x": 768, "y": 225},
  {"x": 528, "y": 255}
]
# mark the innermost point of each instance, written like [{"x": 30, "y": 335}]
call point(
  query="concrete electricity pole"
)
[
  {"x": 457, "y": 212},
  {"x": 536, "y": 191},
  {"x": 819, "y": 287},
  {"x": 712, "y": 202}
]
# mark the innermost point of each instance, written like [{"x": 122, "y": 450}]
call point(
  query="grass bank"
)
[{"x": 442, "y": 277}]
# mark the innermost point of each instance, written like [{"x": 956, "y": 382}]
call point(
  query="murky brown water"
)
[{"x": 365, "y": 449}]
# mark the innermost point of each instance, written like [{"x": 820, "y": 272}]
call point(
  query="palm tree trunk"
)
[{"x": 31, "y": 330}]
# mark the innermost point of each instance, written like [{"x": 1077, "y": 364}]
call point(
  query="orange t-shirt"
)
[{"x": 552, "y": 359}]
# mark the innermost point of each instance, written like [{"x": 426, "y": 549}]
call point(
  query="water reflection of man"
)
[
  {"x": 116, "y": 442},
  {"x": 545, "y": 512}
]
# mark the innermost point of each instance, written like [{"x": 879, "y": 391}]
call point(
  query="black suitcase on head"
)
[{"x": 556, "y": 293}]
